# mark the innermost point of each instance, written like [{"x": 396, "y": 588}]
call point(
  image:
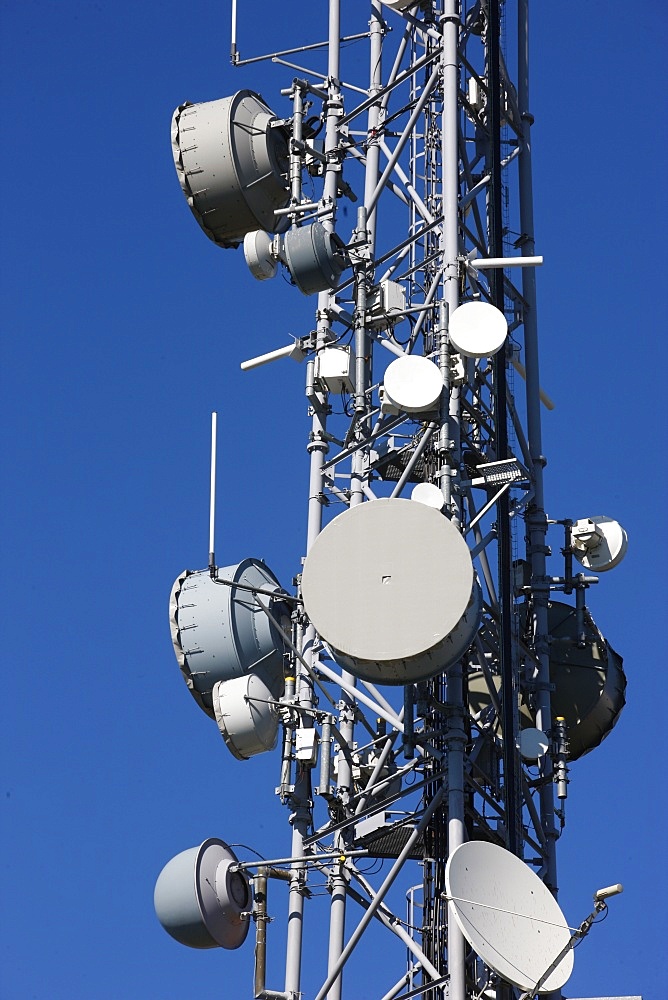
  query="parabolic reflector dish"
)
[
  {"x": 220, "y": 631},
  {"x": 246, "y": 715},
  {"x": 508, "y": 916},
  {"x": 231, "y": 160},
  {"x": 599, "y": 542},
  {"x": 413, "y": 383},
  {"x": 589, "y": 682},
  {"x": 389, "y": 586},
  {"x": 315, "y": 257},
  {"x": 478, "y": 329},
  {"x": 199, "y": 900}
]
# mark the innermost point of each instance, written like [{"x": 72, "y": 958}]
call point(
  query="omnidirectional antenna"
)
[{"x": 212, "y": 497}]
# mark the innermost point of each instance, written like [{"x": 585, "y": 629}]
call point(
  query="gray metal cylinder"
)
[
  {"x": 219, "y": 630},
  {"x": 315, "y": 258},
  {"x": 232, "y": 164},
  {"x": 199, "y": 900}
]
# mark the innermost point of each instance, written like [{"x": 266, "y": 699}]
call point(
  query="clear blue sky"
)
[{"x": 123, "y": 327}]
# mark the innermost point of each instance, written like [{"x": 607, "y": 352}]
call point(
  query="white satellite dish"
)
[
  {"x": 533, "y": 743},
  {"x": 508, "y": 916},
  {"x": 258, "y": 251},
  {"x": 246, "y": 714},
  {"x": 429, "y": 494},
  {"x": 413, "y": 383},
  {"x": 599, "y": 543},
  {"x": 477, "y": 329}
]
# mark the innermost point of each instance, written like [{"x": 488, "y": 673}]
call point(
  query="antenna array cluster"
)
[{"x": 425, "y": 689}]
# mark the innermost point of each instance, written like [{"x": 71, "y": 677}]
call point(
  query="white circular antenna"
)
[
  {"x": 199, "y": 899},
  {"x": 389, "y": 586},
  {"x": 599, "y": 542},
  {"x": 259, "y": 257},
  {"x": 478, "y": 329},
  {"x": 413, "y": 383},
  {"x": 508, "y": 916},
  {"x": 429, "y": 494},
  {"x": 533, "y": 743},
  {"x": 246, "y": 714}
]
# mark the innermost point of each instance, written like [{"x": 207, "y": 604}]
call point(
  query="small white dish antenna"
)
[
  {"x": 413, "y": 383},
  {"x": 599, "y": 542},
  {"x": 477, "y": 329},
  {"x": 258, "y": 251},
  {"x": 246, "y": 715},
  {"x": 533, "y": 744},
  {"x": 508, "y": 916},
  {"x": 429, "y": 494}
]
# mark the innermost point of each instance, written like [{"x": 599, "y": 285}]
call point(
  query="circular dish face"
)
[
  {"x": 534, "y": 744},
  {"x": 385, "y": 584},
  {"x": 478, "y": 329},
  {"x": 610, "y": 550},
  {"x": 508, "y": 916},
  {"x": 429, "y": 494},
  {"x": 413, "y": 383},
  {"x": 246, "y": 715}
]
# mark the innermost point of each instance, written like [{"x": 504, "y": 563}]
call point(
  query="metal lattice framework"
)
[{"x": 429, "y": 136}]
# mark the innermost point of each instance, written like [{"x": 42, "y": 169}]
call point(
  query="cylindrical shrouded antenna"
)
[{"x": 212, "y": 496}]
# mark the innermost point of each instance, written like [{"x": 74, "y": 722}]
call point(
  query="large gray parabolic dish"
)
[
  {"x": 589, "y": 682},
  {"x": 231, "y": 162},
  {"x": 508, "y": 916},
  {"x": 389, "y": 586},
  {"x": 219, "y": 631},
  {"x": 199, "y": 899}
]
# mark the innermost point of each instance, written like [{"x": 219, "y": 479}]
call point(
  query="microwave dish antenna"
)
[
  {"x": 411, "y": 607},
  {"x": 315, "y": 257},
  {"x": 200, "y": 897},
  {"x": 246, "y": 714},
  {"x": 219, "y": 631},
  {"x": 478, "y": 329},
  {"x": 508, "y": 916},
  {"x": 231, "y": 158},
  {"x": 259, "y": 253},
  {"x": 413, "y": 384},
  {"x": 599, "y": 543}
]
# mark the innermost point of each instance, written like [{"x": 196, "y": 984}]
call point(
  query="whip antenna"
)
[{"x": 212, "y": 496}]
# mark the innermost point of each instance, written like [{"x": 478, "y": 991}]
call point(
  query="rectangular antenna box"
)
[
  {"x": 333, "y": 367},
  {"x": 388, "y": 300}
]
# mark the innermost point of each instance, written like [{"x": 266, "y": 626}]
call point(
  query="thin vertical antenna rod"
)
[
  {"x": 212, "y": 496},
  {"x": 233, "y": 46}
]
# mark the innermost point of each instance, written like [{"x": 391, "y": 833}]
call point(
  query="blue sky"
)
[{"x": 123, "y": 327}]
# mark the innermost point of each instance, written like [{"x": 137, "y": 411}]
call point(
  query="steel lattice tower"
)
[{"x": 430, "y": 137}]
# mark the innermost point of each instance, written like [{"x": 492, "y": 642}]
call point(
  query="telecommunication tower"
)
[{"x": 427, "y": 682}]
